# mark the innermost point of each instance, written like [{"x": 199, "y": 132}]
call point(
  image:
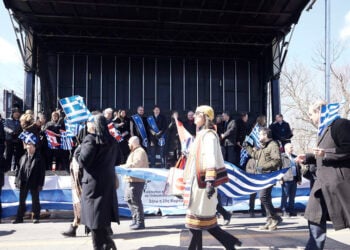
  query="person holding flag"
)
[
  {"x": 30, "y": 176},
  {"x": 329, "y": 197},
  {"x": 268, "y": 159},
  {"x": 157, "y": 126}
]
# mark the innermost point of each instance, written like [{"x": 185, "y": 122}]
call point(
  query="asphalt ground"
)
[{"x": 162, "y": 232}]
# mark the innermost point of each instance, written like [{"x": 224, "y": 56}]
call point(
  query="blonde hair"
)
[
  {"x": 316, "y": 106},
  {"x": 26, "y": 120}
]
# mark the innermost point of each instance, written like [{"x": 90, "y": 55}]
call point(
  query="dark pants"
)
[
  {"x": 226, "y": 239},
  {"x": 133, "y": 195},
  {"x": 221, "y": 210},
  {"x": 23, "y": 193},
  {"x": 101, "y": 238},
  {"x": 289, "y": 189},
  {"x": 252, "y": 198},
  {"x": 230, "y": 154},
  {"x": 152, "y": 155},
  {"x": 317, "y": 232},
  {"x": 13, "y": 149},
  {"x": 266, "y": 201},
  {"x": 252, "y": 202}
]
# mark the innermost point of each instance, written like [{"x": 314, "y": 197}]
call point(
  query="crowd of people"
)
[{"x": 153, "y": 141}]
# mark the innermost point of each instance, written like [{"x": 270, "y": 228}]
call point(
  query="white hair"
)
[
  {"x": 108, "y": 110},
  {"x": 134, "y": 140}
]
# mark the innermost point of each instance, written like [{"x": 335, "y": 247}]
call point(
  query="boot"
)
[
  {"x": 138, "y": 226},
  {"x": 71, "y": 232},
  {"x": 110, "y": 244},
  {"x": 87, "y": 231}
]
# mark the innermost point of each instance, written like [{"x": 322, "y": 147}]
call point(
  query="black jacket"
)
[
  {"x": 242, "y": 130},
  {"x": 36, "y": 176},
  {"x": 162, "y": 126},
  {"x": 281, "y": 132},
  {"x": 190, "y": 126}
]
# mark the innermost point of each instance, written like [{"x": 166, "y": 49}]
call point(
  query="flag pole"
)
[{"x": 327, "y": 49}]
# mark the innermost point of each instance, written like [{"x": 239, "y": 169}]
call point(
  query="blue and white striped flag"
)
[
  {"x": 66, "y": 141},
  {"x": 329, "y": 113},
  {"x": 242, "y": 183},
  {"x": 252, "y": 138},
  {"x": 73, "y": 129},
  {"x": 243, "y": 157},
  {"x": 254, "y": 135},
  {"x": 75, "y": 109}
]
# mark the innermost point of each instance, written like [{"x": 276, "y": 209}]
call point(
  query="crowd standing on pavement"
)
[{"x": 153, "y": 141}]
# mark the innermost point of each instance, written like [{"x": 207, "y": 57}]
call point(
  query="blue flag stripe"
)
[
  {"x": 329, "y": 113},
  {"x": 75, "y": 109}
]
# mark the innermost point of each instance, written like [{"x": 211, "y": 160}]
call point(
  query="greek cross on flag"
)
[
  {"x": 329, "y": 113},
  {"x": 75, "y": 109},
  {"x": 28, "y": 137}
]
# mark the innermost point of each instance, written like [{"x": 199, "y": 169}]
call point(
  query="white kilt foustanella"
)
[{"x": 201, "y": 211}]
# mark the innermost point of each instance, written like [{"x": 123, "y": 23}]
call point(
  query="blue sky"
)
[{"x": 307, "y": 37}]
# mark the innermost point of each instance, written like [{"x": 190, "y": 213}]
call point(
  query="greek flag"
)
[
  {"x": 66, "y": 141},
  {"x": 253, "y": 139},
  {"x": 242, "y": 183},
  {"x": 329, "y": 113},
  {"x": 28, "y": 137},
  {"x": 254, "y": 136},
  {"x": 72, "y": 129},
  {"x": 243, "y": 157},
  {"x": 75, "y": 109}
]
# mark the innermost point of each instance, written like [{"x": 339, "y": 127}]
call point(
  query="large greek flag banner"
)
[
  {"x": 242, "y": 183},
  {"x": 75, "y": 109},
  {"x": 329, "y": 113}
]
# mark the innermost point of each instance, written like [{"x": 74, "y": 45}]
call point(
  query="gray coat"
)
[
  {"x": 99, "y": 204},
  {"x": 286, "y": 162},
  {"x": 333, "y": 176},
  {"x": 230, "y": 134}
]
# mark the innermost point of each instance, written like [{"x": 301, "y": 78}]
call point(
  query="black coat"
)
[
  {"x": 36, "y": 175},
  {"x": 162, "y": 126},
  {"x": 333, "y": 176},
  {"x": 99, "y": 203},
  {"x": 281, "y": 132},
  {"x": 242, "y": 130},
  {"x": 2, "y": 149},
  {"x": 190, "y": 127}
]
